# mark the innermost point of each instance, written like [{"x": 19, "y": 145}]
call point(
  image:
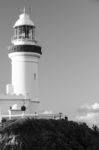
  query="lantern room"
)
[{"x": 24, "y": 30}]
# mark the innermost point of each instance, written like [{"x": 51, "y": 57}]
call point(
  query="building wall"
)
[
  {"x": 5, "y": 104},
  {"x": 25, "y": 74}
]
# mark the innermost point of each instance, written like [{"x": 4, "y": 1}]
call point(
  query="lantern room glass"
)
[{"x": 25, "y": 32}]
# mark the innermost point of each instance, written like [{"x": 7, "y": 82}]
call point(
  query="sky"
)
[{"x": 68, "y": 31}]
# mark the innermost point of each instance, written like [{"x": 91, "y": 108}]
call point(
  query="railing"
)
[
  {"x": 21, "y": 38},
  {"x": 25, "y": 48},
  {"x": 35, "y": 116}
]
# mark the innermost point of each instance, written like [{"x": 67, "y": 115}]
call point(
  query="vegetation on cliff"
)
[{"x": 40, "y": 134}]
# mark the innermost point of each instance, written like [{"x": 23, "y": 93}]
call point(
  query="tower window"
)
[{"x": 34, "y": 76}]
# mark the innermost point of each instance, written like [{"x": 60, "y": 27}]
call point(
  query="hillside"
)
[{"x": 33, "y": 134}]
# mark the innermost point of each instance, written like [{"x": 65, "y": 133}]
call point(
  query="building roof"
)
[{"x": 24, "y": 19}]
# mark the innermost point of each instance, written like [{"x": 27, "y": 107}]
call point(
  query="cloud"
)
[
  {"x": 89, "y": 114},
  {"x": 89, "y": 118},
  {"x": 89, "y": 108},
  {"x": 47, "y": 112}
]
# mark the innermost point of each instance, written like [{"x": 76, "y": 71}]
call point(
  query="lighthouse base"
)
[{"x": 11, "y": 106}]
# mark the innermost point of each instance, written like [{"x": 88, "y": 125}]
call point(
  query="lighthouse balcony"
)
[{"x": 25, "y": 48}]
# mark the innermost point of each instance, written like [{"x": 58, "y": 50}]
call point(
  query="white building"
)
[{"x": 24, "y": 54}]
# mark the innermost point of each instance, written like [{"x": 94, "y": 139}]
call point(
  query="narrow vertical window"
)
[{"x": 34, "y": 76}]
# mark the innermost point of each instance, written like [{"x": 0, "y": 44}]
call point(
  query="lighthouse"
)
[
  {"x": 24, "y": 54},
  {"x": 21, "y": 95}
]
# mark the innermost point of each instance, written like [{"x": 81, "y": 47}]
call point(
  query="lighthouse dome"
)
[{"x": 24, "y": 19}]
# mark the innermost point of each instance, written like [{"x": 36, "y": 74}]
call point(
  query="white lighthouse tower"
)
[
  {"x": 24, "y": 55},
  {"x": 22, "y": 94}
]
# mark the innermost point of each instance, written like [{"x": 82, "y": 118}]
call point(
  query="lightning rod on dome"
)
[{"x": 25, "y": 10}]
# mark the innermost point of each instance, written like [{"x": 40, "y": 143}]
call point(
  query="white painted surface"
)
[
  {"x": 24, "y": 19},
  {"x": 7, "y": 101},
  {"x": 23, "y": 89},
  {"x": 25, "y": 74},
  {"x": 9, "y": 89},
  {"x": 22, "y": 42}
]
